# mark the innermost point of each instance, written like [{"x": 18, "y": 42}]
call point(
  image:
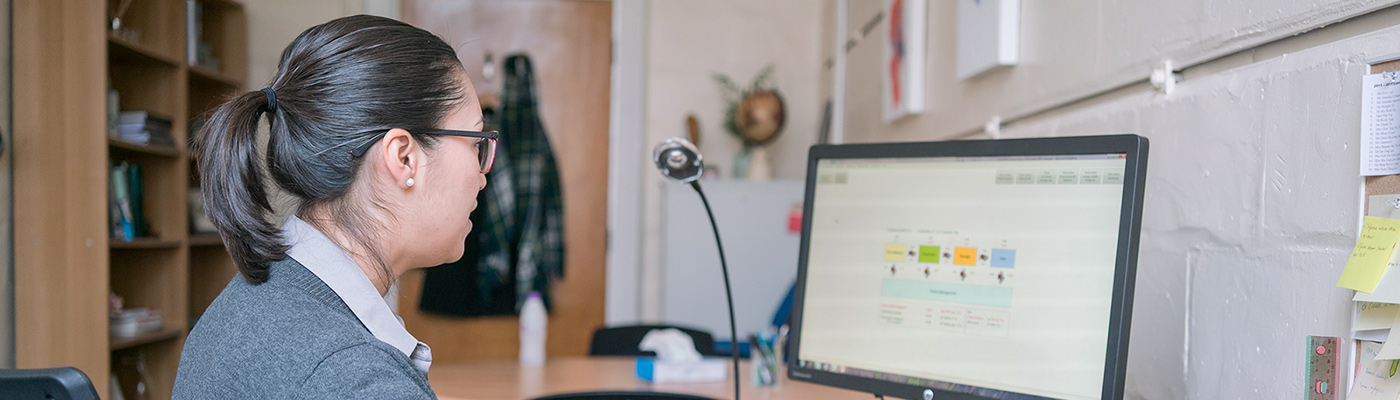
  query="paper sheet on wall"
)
[
  {"x": 1390, "y": 350},
  {"x": 1374, "y": 316},
  {"x": 1380, "y": 124},
  {"x": 1384, "y": 206},
  {"x": 1374, "y": 335},
  {"x": 1373, "y": 380},
  {"x": 1369, "y": 259},
  {"x": 1388, "y": 288}
]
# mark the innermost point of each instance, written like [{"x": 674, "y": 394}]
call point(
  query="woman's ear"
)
[{"x": 399, "y": 159}]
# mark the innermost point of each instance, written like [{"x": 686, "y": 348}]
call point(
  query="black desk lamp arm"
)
[{"x": 728, "y": 293}]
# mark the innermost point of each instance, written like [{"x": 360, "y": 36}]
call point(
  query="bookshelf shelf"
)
[
  {"x": 122, "y": 50},
  {"x": 141, "y": 340},
  {"x": 206, "y": 240},
  {"x": 213, "y": 76},
  {"x": 136, "y": 149},
  {"x": 143, "y": 243}
]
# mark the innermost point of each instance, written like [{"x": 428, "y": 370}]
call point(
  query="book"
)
[
  {"x": 194, "y": 30},
  {"x": 144, "y": 127},
  {"x": 114, "y": 208},
  {"x": 138, "y": 206},
  {"x": 126, "y": 202},
  {"x": 121, "y": 203}
]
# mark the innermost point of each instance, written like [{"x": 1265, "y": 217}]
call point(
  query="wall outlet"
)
[{"x": 1322, "y": 368}]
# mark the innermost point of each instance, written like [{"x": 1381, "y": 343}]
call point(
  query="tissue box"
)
[{"x": 705, "y": 370}]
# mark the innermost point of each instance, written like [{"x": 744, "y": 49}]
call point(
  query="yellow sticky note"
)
[
  {"x": 964, "y": 256},
  {"x": 894, "y": 252},
  {"x": 1368, "y": 259}
]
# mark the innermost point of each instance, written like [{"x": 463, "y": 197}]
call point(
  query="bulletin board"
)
[
  {"x": 1375, "y": 185},
  {"x": 1388, "y": 184}
]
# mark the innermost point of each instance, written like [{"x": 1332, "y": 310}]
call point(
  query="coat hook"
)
[{"x": 488, "y": 68}]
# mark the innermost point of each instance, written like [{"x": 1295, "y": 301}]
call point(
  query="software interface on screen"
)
[{"x": 964, "y": 273}]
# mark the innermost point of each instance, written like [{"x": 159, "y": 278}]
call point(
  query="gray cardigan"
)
[{"x": 290, "y": 337}]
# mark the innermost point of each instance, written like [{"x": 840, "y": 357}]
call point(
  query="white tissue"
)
[{"x": 670, "y": 345}]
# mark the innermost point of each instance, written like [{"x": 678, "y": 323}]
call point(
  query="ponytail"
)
[
  {"x": 231, "y": 181},
  {"x": 338, "y": 85}
]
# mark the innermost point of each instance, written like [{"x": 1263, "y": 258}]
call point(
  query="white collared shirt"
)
[{"x": 329, "y": 262}]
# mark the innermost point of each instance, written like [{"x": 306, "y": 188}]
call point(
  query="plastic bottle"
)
[{"x": 533, "y": 324}]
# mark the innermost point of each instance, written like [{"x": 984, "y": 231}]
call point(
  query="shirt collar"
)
[{"x": 333, "y": 266}]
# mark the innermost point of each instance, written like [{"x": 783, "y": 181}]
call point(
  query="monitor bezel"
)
[{"x": 1130, "y": 222}]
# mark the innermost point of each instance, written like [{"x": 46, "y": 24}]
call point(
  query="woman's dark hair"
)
[{"x": 337, "y": 86}]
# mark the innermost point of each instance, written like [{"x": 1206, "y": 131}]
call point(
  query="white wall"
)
[
  {"x": 1078, "y": 49},
  {"x": 272, "y": 25},
  {"x": 627, "y": 164},
  {"x": 687, "y": 42},
  {"x": 1252, "y": 202},
  {"x": 760, "y": 251}
]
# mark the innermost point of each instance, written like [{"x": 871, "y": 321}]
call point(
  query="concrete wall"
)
[{"x": 1253, "y": 193}]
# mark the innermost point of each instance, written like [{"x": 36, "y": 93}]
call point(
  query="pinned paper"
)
[
  {"x": 1384, "y": 206},
  {"x": 1373, "y": 380},
  {"x": 1391, "y": 349},
  {"x": 1380, "y": 124},
  {"x": 1374, "y": 316},
  {"x": 1372, "y": 253}
]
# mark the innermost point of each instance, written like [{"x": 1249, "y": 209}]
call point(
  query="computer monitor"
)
[{"x": 989, "y": 269}]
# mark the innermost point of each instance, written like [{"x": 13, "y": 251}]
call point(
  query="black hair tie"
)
[{"x": 271, "y": 100}]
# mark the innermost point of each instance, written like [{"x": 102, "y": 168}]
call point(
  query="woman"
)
[{"x": 372, "y": 128}]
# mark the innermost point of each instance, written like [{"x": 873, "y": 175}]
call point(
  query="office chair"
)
[
  {"x": 621, "y": 395},
  {"x": 54, "y": 383},
  {"x": 623, "y": 340}
]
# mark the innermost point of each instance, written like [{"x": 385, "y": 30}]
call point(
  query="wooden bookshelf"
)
[
  {"x": 123, "y": 149},
  {"x": 69, "y": 262},
  {"x": 140, "y": 340},
  {"x": 144, "y": 243},
  {"x": 206, "y": 239}
]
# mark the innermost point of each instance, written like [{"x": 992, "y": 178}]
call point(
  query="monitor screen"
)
[{"x": 973, "y": 269}]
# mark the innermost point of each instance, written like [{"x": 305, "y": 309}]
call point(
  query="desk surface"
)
[{"x": 509, "y": 380}]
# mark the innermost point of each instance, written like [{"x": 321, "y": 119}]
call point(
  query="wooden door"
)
[{"x": 569, "y": 43}]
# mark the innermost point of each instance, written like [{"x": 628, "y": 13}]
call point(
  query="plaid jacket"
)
[{"x": 523, "y": 205}]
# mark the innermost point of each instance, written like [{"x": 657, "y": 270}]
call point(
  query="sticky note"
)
[
  {"x": 965, "y": 256},
  {"x": 928, "y": 254},
  {"x": 1388, "y": 289},
  {"x": 895, "y": 252},
  {"x": 1373, "y": 380},
  {"x": 1372, "y": 252},
  {"x": 1004, "y": 258},
  {"x": 1374, "y": 316}
]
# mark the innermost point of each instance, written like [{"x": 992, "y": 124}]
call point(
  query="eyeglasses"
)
[{"x": 485, "y": 148}]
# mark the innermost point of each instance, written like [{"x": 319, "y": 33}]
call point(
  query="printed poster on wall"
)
[{"x": 903, "y": 66}]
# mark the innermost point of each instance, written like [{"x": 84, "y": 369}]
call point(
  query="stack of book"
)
[
  {"x": 143, "y": 127},
  {"x": 125, "y": 197},
  {"x": 197, "y": 51}
]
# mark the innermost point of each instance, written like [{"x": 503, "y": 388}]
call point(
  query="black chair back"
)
[
  {"x": 623, "y": 340},
  {"x": 41, "y": 384},
  {"x": 619, "y": 395}
]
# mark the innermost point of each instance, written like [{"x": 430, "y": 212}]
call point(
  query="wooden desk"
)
[{"x": 508, "y": 380}]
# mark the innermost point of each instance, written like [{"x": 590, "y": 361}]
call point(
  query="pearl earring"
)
[{"x": 409, "y": 182}]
